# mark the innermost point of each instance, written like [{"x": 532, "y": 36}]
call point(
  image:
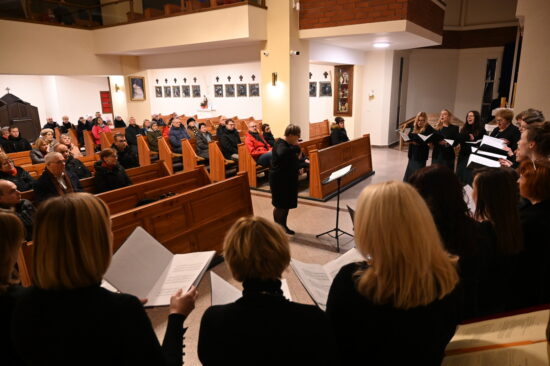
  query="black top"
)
[
  {"x": 131, "y": 134},
  {"x": 384, "y": 335},
  {"x": 127, "y": 158},
  {"x": 338, "y": 135},
  {"x": 443, "y": 151},
  {"x": 77, "y": 168},
  {"x": 283, "y": 176},
  {"x": 418, "y": 148},
  {"x": 464, "y": 136},
  {"x": 19, "y": 144},
  {"x": 229, "y": 141},
  {"x": 7, "y": 302},
  {"x": 22, "y": 179},
  {"x": 264, "y": 328},
  {"x": 47, "y": 187},
  {"x": 65, "y": 127},
  {"x": 119, "y": 123},
  {"x": 511, "y": 133},
  {"x": 53, "y": 126},
  {"x": 109, "y": 178},
  {"x": 268, "y": 136},
  {"x": 91, "y": 326}
]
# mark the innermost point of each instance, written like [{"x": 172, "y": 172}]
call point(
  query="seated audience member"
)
[
  {"x": 268, "y": 135},
  {"x": 12, "y": 237},
  {"x": 192, "y": 128},
  {"x": 338, "y": 132},
  {"x": 534, "y": 185},
  {"x": 65, "y": 125},
  {"x": 229, "y": 141},
  {"x": 132, "y": 131},
  {"x": 203, "y": 137},
  {"x": 153, "y": 137},
  {"x": 95, "y": 120},
  {"x": 159, "y": 120},
  {"x": 65, "y": 139},
  {"x": 47, "y": 135},
  {"x": 15, "y": 174},
  {"x": 10, "y": 201},
  {"x": 146, "y": 126},
  {"x": 257, "y": 146},
  {"x": 51, "y": 125},
  {"x": 221, "y": 127},
  {"x": 119, "y": 122},
  {"x": 55, "y": 180},
  {"x": 72, "y": 165},
  {"x": 66, "y": 315},
  {"x": 177, "y": 133},
  {"x": 443, "y": 193},
  {"x": 126, "y": 157},
  {"x": 99, "y": 128},
  {"x": 5, "y": 142},
  {"x": 41, "y": 148},
  {"x": 506, "y": 131},
  {"x": 496, "y": 196},
  {"x": 18, "y": 143},
  {"x": 109, "y": 174},
  {"x": 83, "y": 125},
  {"x": 276, "y": 331},
  {"x": 528, "y": 117},
  {"x": 406, "y": 292}
]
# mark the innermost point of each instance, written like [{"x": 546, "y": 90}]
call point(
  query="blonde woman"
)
[
  {"x": 67, "y": 318},
  {"x": 262, "y": 327},
  {"x": 444, "y": 152},
  {"x": 405, "y": 296},
  {"x": 41, "y": 149},
  {"x": 418, "y": 148}
]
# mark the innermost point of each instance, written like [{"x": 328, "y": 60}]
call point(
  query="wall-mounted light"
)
[
  {"x": 273, "y": 78},
  {"x": 265, "y": 53},
  {"x": 117, "y": 88},
  {"x": 381, "y": 44}
]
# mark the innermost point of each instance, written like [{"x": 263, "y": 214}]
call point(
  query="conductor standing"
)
[{"x": 283, "y": 176}]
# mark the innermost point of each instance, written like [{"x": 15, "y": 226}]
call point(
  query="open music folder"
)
[
  {"x": 317, "y": 278},
  {"x": 493, "y": 145},
  {"x": 144, "y": 268}
]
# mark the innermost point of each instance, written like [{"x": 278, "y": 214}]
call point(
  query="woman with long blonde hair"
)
[
  {"x": 418, "y": 148},
  {"x": 448, "y": 136},
  {"x": 405, "y": 296}
]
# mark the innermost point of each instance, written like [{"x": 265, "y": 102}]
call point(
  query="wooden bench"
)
[
  {"x": 166, "y": 154},
  {"x": 319, "y": 129},
  {"x": 218, "y": 163},
  {"x": 315, "y": 144},
  {"x": 145, "y": 155},
  {"x": 89, "y": 143},
  {"x": 21, "y": 158},
  {"x": 190, "y": 158},
  {"x": 249, "y": 165},
  {"x": 188, "y": 222},
  {"x": 325, "y": 161}
]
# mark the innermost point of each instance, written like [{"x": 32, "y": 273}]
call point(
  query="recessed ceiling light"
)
[{"x": 381, "y": 44}]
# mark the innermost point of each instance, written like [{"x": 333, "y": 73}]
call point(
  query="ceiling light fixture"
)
[{"x": 381, "y": 44}]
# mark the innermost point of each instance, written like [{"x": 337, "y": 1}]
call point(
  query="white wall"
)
[
  {"x": 27, "y": 88},
  {"x": 206, "y": 78},
  {"x": 321, "y": 108}
]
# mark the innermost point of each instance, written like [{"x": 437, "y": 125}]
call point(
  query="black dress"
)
[
  {"x": 283, "y": 176},
  {"x": 109, "y": 178},
  {"x": 264, "y": 328},
  {"x": 445, "y": 155},
  {"x": 7, "y": 302},
  {"x": 418, "y": 152},
  {"x": 90, "y": 326},
  {"x": 465, "y": 174},
  {"x": 384, "y": 335},
  {"x": 22, "y": 179},
  {"x": 511, "y": 133}
]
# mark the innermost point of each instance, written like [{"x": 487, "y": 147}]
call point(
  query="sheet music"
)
[
  {"x": 468, "y": 198},
  {"x": 424, "y": 137},
  {"x": 525, "y": 355},
  {"x": 493, "y": 141},
  {"x": 486, "y": 153},
  {"x": 107, "y": 286},
  {"x": 339, "y": 173},
  {"x": 482, "y": 161},
  {"x": 450, "y": 142},
  {"x": 351, "y": 256}
]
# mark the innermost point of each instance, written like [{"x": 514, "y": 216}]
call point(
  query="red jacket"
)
[
  {"x": 96, "y": 130},
  {"x": 255, "y": 147}
]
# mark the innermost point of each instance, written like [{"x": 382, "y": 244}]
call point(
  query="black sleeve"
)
[
  {"x": 131, "y": 136},
  {"x": 226, "y": 145},
  {"x": 333, "y": 138},
  {"x": 27, "y": 180},
  {"x": 172, "y": 345},
  {"x": 201, "y": 143},
  {"x": 100, "y": 182}
]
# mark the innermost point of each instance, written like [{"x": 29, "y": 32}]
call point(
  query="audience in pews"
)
[
  {"x": 109, "y": 174},
  {"x": 146, "y": 126},
  {"x": 527, "y": 117},
  {"x": 192, "y": 128},
  {"x": 418, "y": 149},
  {"x": 5, "y": 140},
  {"x": 153, "y": 137},
  {"x": 403, "y": 303},
  {"x": 229, "y": 140},
  {"x": 506, "y": 130},
  {"x": 74, "y": 166},
  {"x": 221, "y": 127},
  {"x": 338, "y": 132},
  {"x": 47, "y": 134},
  {"x": 51, "y": 125},
  {"x": 41, "y": 148},
  {"x": 55, "y": 180},
  {"x": 177, "y": 133},
  {"x": 96, "y": 118},
  {"x": 283, "y": 176},
  {"x": 19, "y": 176},
  {"x": 202, "y": 138},
  {"x": 18, "y": 143},
  {"x": 131, "y": 133},
  {"x": 12, "y": 238},
  {"x": 119, "y": 122},
  {"x": 268, "y": 135},
  {"x": 10, "y": 201},
  {"x": 65, "y": 139},
  {"x": 472, "y": 130},
  {"x": 158, "y": 119},
  {"x": 66, "y": 125},
  {"x": 443, "y": 153},
  {"x": 99, "y": 127},
  {"x": 273, "y": 330},
  {"x": 83, "y": 125},
  {"x": 257, "y": 146},
  {"x": 66, "y": 317},
  {"x": 126, "y": 157}
]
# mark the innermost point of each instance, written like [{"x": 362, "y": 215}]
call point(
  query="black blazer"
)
[
  {"x": 22, "y": 179},
  {"x": 45, "y": 187},
  {"x": 229, "y": 141},
  {"x": 283, "y": 176},
  {"x": 107, "y": 179},
  {"x": 263, "y": 328}
]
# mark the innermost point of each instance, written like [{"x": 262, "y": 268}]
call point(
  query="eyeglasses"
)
[
  {"x": 121, "y": 140},
  {"x": 8, "y": 162}
]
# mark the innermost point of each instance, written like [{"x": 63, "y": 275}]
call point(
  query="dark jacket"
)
[
  {"x": 443, "y": 154},
  {"x": 48, "y": 186},
  {"x": 80, "y": 128},
  {"x": 511, "y": 133},
  {"x": 22, "y": 179},
  {"x": 65, "y": 127},
  {"x": 25, "y": 211},
  {"x": 53, "y": 126},
  {"x": 131, "y": 134},
  {"x": 268, "y": 136},
  {"x": 119, "y": 123},
  {"x": 229, "y": 141},
  {"x": 127, "y": 158},
  {"x": 273, "y": 330},
  {"x": 220, "y": 130},
  {"x": 7, "y": 304},
  {"x": 77, "y": 168},
  {"x": 202, "y": 140},
  {"x": 338, "y": 135},
  {"x": 367, "y": 331},
  {"x": 19, "y": 144},
  {"x": 107, "y": 179},
  {"x": 153, "y": 139},
  {"x": 283, "y": 176},
  {"x": 176, "y": 135},
  {"x": 160, "y": 121},
  {"x": 91, "y": 326},
  {"x": 6, "y": 144}
]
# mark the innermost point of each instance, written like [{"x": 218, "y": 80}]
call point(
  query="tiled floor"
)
[{"x": 309, "y": 219}]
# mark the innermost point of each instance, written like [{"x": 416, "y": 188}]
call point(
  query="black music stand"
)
[{"x": 337, "y": 176}]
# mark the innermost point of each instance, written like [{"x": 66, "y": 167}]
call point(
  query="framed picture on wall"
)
[
  {"x": 325, "y": 89},
  {"x": 167, "y": 92},
  {"x": 176, "y": 91},
  {"x": 229, "y": 90},
  {"x": 254, "y": 90},
  {"x": 137, "y": 87},
  {"x": 312, "y": 88},
  {"x": 158, "y": 91},
  {"x": 343, "y": 95},
  {"x": 241, "y": 90},
  {"x": 185, "y": 91},
  {"x": 218, "y": 90},
  {"x": 196, "y": 91}
]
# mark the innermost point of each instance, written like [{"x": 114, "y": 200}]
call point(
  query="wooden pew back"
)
[
  {"x": 315, "y": 144},
  {"x": 144, "y": 151},
  {"x": 319, "y": 129},
  {"x": 190, "y": 158},
  {"x": 248, "y": 164},
  {"x": 20, "y": 158},
  {"x": 88, "y": 142},
  {"x": 216, "y": 161}
]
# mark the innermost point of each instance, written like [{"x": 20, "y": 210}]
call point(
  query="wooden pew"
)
[
  {"x": 57, "y": 133},
  {"x": 20, "y": 158},
  {"x": 106, "y": 140},
  {"x": 325, "y": 161},
  {"x": 190, "y": 157},
  {"x": 166, "y": 154},
  {"x": 144, "y": 151},
  {"x": 74, "y": 137},
  {"x": 217, "y": 161},
  {"x": 193, "y": 221},
  {"x": 249, "y": 165},
  {"x": 24, "y": 264},
  {"x": 171, "y": 9},
  {"x": 89, "y": 143},
  {"x": 316, "y": 143},
  {"x": 319, "y": 129},
  {"x": 127, "y": 198}
]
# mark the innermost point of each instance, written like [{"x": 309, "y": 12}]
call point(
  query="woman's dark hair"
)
[
  {"x": 201, "y": 124},
  {"x": 497, "y": 202},
  {"x": 190, "y": 119},
  {"x": 293, "y": 130},
  {"x": 265, "y": 126},
  {"x": 444, "y": 195},
  {"x": 476, "y": 127},
  {"x": 539, "y": 133},
  {"x": 338, "y": 120}
]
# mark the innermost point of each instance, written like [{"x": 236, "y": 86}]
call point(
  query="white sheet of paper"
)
[
  {"x": 405, "y": 134},
  {"x": 424, "y": 137},
  {"x": 340, "y": 173},
  {"x": 525, "y": 355},
  {"x": 486, "y": 153},
  {"x": 107, "y": 286},
  {"x": 468, "y": 198},
  {"x": 449, "y": 141},
  {"x": 483, "y": 161},
  {"x": 474, "y": 149},
  {"x": 493, "y": 141}
]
